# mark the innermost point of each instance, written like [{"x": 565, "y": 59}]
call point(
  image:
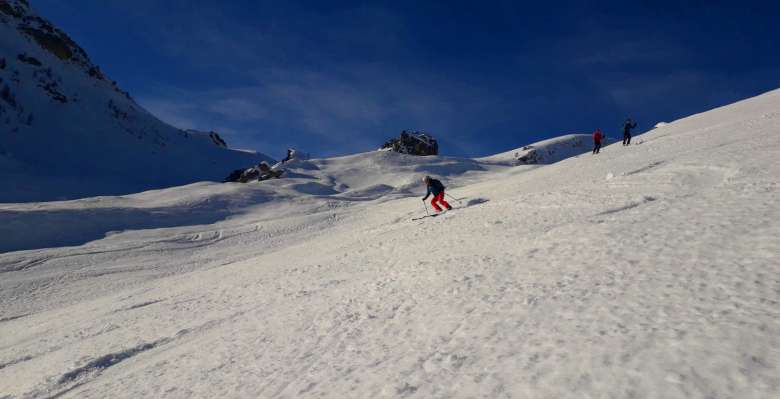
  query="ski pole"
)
[
  {"x": 456, "y": 199},
  {"x": 426, "y": 208}
]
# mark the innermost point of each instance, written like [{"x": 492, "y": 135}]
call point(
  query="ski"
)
[
  {"x": 434, "y": 214},
  {"x": 426, "y": 216}
]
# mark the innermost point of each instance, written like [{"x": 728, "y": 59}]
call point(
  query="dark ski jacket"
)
[
  {"x": 628, "y": 126},
  {"x": 434, "y": 187}
]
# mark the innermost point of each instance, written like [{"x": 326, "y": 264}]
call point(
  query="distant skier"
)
[
  {"x": 627, "y": 126},
  {"x": 437, "y": 189},
  {"x": 597, "y": 141}
]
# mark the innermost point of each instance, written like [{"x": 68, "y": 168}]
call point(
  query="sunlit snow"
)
[{"x": 648, "y": 271}]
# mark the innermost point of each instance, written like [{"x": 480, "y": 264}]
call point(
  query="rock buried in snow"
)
[{"x": 260, "y": 172}]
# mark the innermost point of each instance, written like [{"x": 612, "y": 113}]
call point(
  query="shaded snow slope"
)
[
  {"x": 648, "y": 271},
  {"x": 68, "y": 131}
]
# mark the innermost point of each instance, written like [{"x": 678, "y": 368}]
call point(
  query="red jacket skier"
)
[
  {"x": 437, "y": 189},
  {"x": 597, "y": 141}
]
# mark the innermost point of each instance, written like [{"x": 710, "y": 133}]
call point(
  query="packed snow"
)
[{"x": 648, "y": 271}]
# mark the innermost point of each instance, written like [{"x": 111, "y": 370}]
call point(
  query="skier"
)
[
  {"x": 596, "y": 141},
  {"x": 437, "y": 189},
  {"x": 627, "y": 126}
]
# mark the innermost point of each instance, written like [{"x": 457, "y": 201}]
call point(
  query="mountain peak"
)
[{"x": 69, "y": 131}]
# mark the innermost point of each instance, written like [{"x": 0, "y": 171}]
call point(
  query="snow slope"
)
[
  {"x": 68, "y": 131},
  {"x": 546, "y": 152},
  {"x": 648, "y": 271}
]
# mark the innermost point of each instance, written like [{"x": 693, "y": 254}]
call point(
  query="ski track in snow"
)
[{"x": 648, "y": 271}]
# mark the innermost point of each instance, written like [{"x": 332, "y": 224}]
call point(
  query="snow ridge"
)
[{"x": 68, "y": 131}]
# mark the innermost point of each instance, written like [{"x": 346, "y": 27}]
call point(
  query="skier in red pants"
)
[
  {"x": 597, "y": 141},
  {"x": 437, "y": 189}
]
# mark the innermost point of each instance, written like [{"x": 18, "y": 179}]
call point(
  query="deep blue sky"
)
[{"x": 336, "y": 77}]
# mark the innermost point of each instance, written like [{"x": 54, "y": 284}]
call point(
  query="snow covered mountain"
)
[
  {"x": 68, "y": 131},
  {"x": 648, "y": 271}
]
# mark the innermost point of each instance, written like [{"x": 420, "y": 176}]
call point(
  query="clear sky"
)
[{"x": 334, "y": 77}]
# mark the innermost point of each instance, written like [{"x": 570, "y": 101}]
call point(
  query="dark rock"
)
[
  {"x": 51, "y": 89},
  {"x": 95, "y": 72},
  {"x": 417, "y": 143},
  {"x": 234, "y": 175},
  {"x": 217, "y": 140},
  {"x": 10, "y": 10},
  {"x": 117, "y": 112},
  {"x": 260, "y": 172},
  {"x": 531, "y": 158},
  {"x": 7, "y": 96},
  {"x": 59, "y": 45},
  {"x": 29, "y": 60}
]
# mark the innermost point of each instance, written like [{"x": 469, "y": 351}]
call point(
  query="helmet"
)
[{"x": 426, "y": 179}]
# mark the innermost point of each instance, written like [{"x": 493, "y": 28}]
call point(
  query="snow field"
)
[{"x": 649, "y": 271}]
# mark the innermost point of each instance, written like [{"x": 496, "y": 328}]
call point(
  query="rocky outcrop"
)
[
  {"x": 261, "y": 172},
  {"x": 214, "y": 136},
  {"x": 413, "y": 143}
]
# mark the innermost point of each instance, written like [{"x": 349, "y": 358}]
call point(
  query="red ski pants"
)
[{"x": 439, "y": 198}]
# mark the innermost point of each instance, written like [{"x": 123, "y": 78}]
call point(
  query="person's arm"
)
[{"x": 427, "y": 194}]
